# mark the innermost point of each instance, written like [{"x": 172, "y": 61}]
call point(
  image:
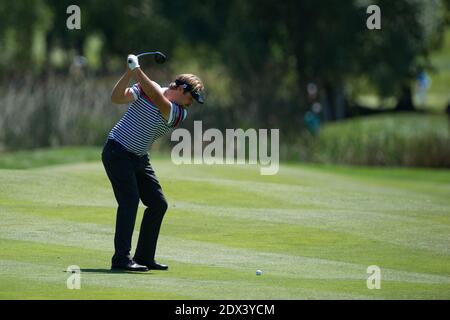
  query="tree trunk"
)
[
  {"x": 329, "y": 103},
  {"x": 405, "y": 102}
]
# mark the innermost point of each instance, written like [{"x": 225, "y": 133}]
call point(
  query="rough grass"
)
[
  {"x": 416, "y": 140},
  {"x": 313, "y": 230}
]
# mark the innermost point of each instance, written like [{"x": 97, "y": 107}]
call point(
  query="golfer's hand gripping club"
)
[{"x": 133, "y": 62}]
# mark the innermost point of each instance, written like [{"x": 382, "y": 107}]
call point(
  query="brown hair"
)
[{"x": 193, "y": 80}]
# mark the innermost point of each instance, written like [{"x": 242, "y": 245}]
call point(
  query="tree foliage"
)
[{"x": 270, "y": 49}]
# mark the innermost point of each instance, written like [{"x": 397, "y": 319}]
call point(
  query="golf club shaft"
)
[{"x": 148, "y": 53}]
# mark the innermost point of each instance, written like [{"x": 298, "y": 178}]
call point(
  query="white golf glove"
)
[{"x": 133, "y": 62}]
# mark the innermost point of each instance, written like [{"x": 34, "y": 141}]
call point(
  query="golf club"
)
[{"x": 159, "y": 56}]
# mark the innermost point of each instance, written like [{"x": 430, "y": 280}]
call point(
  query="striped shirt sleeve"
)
[
  {"x": 177, "y": 115},
  {"x": 136, "y": 90}
]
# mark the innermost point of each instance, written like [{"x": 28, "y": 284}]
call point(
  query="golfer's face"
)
[{"x": 186, "y": 99}]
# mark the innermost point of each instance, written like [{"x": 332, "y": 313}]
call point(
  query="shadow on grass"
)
[{"x": 115, "y": 271}]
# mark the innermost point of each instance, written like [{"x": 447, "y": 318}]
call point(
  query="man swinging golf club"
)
[{"x": 153, "y": 111}]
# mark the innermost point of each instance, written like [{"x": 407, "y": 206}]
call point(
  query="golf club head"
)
[{"x": 160, "y": 57}]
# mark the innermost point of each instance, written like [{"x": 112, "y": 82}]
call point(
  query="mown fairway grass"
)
[{"x": 313, "y": 230}]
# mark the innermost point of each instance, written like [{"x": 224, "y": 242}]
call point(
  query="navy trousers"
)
[{"x": 133, "y": 179}]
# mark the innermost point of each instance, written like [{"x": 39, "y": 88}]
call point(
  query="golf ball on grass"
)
[{"x": 258, "y": 272}]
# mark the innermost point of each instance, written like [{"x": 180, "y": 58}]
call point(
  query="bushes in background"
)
[
  {"x": 403, "y": 139},
  {"x": 64, "y": 112},
  {"x": 56, "y": 113}
]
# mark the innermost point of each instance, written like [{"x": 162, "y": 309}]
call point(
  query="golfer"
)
[{"x": 153, "y": 111}]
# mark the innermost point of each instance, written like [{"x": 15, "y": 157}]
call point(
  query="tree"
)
[{"x": 325, "y": 42}]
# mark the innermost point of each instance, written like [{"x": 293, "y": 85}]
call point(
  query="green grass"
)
[
  {"x": 45, "y": 157},
  {"x": 312, "y": 229}
]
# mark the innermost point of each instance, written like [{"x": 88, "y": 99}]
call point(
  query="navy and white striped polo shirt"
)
[{"x": 143, "y": 123}]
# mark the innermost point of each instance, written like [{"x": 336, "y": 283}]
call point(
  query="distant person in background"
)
[
  {"x": 312, "y": 119},
  {"x": 78, "y": 67},
  {"x": 423, "y": 83}
]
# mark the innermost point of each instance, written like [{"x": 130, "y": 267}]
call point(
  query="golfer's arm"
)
[
  {"x": 153, "y": 92},
  {"x": 121, "y": 94}
]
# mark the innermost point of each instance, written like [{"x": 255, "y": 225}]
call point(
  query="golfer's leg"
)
[
  {"x": 153, "y": 198},
  {"x": 121, "y": 173}
]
